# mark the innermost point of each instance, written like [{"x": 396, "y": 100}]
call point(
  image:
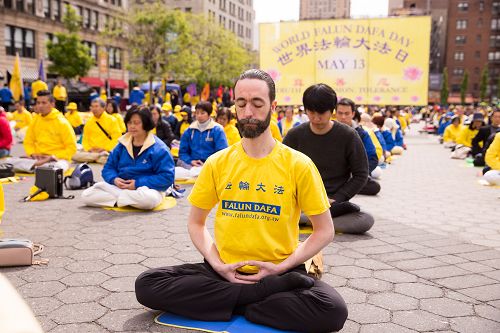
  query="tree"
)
[
  {"x": 444, "y": 87},
  {"x": 69, "y": 56},
  {"x": 463, "y": 87},
  {"x": 157, "y": 40},
  {"x": 483, "y": 85},
  {"x": 220, "y": 55}
]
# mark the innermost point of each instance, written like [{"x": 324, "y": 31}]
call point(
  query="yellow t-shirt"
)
[
  {"x": 451, "y": 133},
  {"x": 22, "y": 119},
  {"x": 259, "y": 209},
  {"x": 232, "y": 134},
  {"x": 60, "y": 93},
  {"x": 74, "y": 118},
  {"x": 184, "y": 126},
  {"x": 120, "y": 121},
  {"x": 275, "y": 131}
]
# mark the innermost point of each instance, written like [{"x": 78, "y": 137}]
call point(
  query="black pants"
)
[
  {"x": 61, "y": 106},
  {"x": 371, "y": 187},
  {"x": 198, "y": 292}
]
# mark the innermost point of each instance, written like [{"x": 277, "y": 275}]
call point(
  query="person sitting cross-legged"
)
[
  {"x": 255, "y": 266},
  {"x": 100, "y": 135},
  {"x": 338, "y": 152},
  {"x": 139, "y": 169},
  {"x": 50, "y": 139}
]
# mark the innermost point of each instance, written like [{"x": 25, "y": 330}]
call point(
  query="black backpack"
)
[{"x": 6, "y": 170}]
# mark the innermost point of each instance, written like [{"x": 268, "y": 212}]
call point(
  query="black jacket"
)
[
  {"x": 482, "y": 136},
  {"x": 164, "y": 132}
]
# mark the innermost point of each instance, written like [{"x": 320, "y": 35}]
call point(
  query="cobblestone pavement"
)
[{"x": 430, "y": 264}]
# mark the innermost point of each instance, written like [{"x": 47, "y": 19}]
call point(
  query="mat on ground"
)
[
  {"x": 237, "y": 324},
  {"x": 167, "y": 203}
]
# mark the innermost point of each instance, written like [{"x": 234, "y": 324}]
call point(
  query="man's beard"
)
[{"x": 252, "y": 128}]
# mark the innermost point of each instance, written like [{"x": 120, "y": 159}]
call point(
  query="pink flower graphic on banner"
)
[
  {"x": 287, "y": 99},
  {"x": 274, "y": 73},
  {"x": 395, "y": 98},
  {"x": 340, "y": 82},
  {"x": 359, "y": 98},
  {"x": 414, "y": 98},
  {"x": 376, "y": 98},
  {"x": 413, "y": 73}
]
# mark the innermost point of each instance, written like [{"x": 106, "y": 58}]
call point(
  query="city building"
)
[
  {"x": 324, "y": 9},
  {"x": 465, "y": 37},
  {"x": 28, "y": 24},
  {"x": 237, "y": 16}
]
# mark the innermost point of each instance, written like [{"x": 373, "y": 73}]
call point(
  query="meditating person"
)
[
  {"x": 74, "y": 118},
  {"x": 492, "y": 159},
  {"x": 255, "y": 266},
  {"x": 338, "y": 152},
  {"x": 162, "y": 128},
  {"x": 139, "y": 169},
  {"x": 203, "y": 138},
  {"x": 393, "y": 128},
  {"x": 50, "y": 139},
  {"x": 23, "y": 119},
  {"x": 288, "y": 121},
  {"x": 484, "y": 138},
  {"x": 467, "y": 133},
  {"x": 451, "y": 132},
  {"x": 224, "y": 118},
  {"x": 112, "y": 109},
  {"x": 100, "y": 135}
]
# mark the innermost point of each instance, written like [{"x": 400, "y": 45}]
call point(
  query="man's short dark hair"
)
[
  {"x": 205, "y": 106},
  {"x": 348, "y": 102},
  {"x": 319, "y": 98},
  {"x": 258, "y": 74},
  {"x": 47, "y": 93},
  {"x": 225, "y": 112},
  {"x": 146, "y": 117}
]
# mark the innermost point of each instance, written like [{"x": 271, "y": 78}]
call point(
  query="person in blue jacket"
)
[
  {"x": 6, "y": 97},
  {"x": 203, "y": 138},
  {"x": 136, "y": 96},
  {"x": 139, "y": 169},
  {"x": 396, "y": 134},
  {"x": 347, "y": 114}
]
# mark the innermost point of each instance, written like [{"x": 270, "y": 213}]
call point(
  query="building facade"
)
[
  {"x": 28, "y": 24},
  {"x": 237, "y": 16},
  {"x": 465, "y": 38},
  {"x": 324, "y": 9}
]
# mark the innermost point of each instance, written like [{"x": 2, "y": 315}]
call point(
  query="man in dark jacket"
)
[{"x": 484, "y": 137}]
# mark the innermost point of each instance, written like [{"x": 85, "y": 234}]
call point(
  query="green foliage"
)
[
  {"x": 463, "y": 87},
  {"x": 483, "y": 85},
  {"x": 70, "y": 58},
  {"x": 444, "y": 87}
]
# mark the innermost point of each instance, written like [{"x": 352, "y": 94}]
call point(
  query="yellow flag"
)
[{"x": 16, "y": 82}]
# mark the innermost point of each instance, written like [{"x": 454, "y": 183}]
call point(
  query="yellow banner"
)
[{"x": 371, "y": 61}]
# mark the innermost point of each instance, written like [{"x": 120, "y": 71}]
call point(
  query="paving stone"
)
[
  {"x": 393, "y": 301},
  {"x": 125, "y": 258},
  {"x": 440, "y": 272},
  {"x": 418, "y": 290},
  {"x": 495, "y": 263},
  {"x": 84, "y": 279},
  {"x": 81, "y": 294},
  {"x": 124, "y": 270},
  {"x": 120, "y": 284},
  {"x": 43, "y": 305},
  {"x": 131, "y": 248},
  {"x": 372, "y": 264},
  {"x": 333, "y": 280},
  {"x": 41, "y": 289},
  {"x": 368, "y": 314},
  {"x": 350, "y": 327},
  {"x": 483, "y": 293},
  {"x": 481, "y": 255},
  {"x": 81, "y": 327},
  {"x": 46, "y": 323},
  {"x": 385, "y": 328},
  {"x": 493, "y": 275},
  {"x": 420, "y": 263},
  {"x": 465, "y": 281},
  {"x": 395, "y": 276},
  {"x": 380, "y": 249},
  {"x": 90, "y": 255},
  {"x": 77, "y": 313},
  {"x": 446, "y": 307},
  {"x": 488, "y": 312},
  {"x": 352, "y": 295},
  {"x": 474, "y": 325},
  {"x": 475, "y": 267},
  {"x": 161, "y": 252},
  {"x": 121, "y": 320},
  {"x": 337, "y": 260},
  {"x": 352, "y": 272},
  {"x": 370, "y": 285},
  {"x": 420, "y": 320},
  {"x": 88, "y": 266},
  {"x": 121, "y": 301}
]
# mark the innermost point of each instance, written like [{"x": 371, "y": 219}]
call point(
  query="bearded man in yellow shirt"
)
[
  {"x": 255, "y": 266},
  {"x": 49, "y": 140},
  {"x": 100, "y": 135}
]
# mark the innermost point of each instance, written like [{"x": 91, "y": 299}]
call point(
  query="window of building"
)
[
  {"x": 494, "y": 55},
  {"x": 56, "y": 9},
  {"x": 495, "y": 7},
  {"x": 222, "y": 5},
  {"x": 46, "y": 8},
  {"x": 463, "y": 6},
  {"x": 461, "y": 24},
  {"x": 459, "y": 55},
  {"x": 188, "y": 9},
  {"x": 479, "y": 22},
  {"x": 481, "y": 5},
  {"x": 458, "y": 71},
  {"x": 460, "y": 40},
  {"x": 19, "y": 40},
  {"x": 30, "y": 6},
  {"x": 495, "y": 24},
  {"x": 94, "y": 20},
  {"x": 477, "y": 54},
  {"x": 20, "y": 5},
  {"x": 86, "y": 18},
  {"x": 494, "y": 40},
  {"x": 49, "y": 37},
  {"x": 8, "y": 4},
  {"x": 476, "y": 70},
  {"x": 475, "y": 86},
  {"x": 455, "y": 88},
  {"x": 478, "y": 38}
]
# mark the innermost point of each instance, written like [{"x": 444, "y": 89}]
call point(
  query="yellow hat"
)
[
  {"x": 177, "y": 108},
  {"x": 183, "y": 113},
  {"x": 72, "y": 106},
  {"x": 166, "y": 107}
]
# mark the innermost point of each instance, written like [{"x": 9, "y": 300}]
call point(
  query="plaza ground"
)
[{"x": 431, "y": 263}]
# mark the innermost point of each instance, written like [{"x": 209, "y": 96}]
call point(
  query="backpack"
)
[
  {"x": 6, "y": 170},
  {"x": 81, "y": 177}
]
